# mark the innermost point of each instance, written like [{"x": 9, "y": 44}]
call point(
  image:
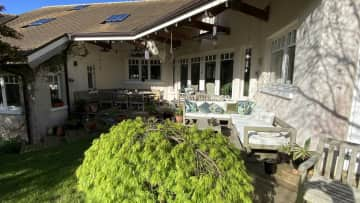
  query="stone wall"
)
[{"x": 13, "y": 126}]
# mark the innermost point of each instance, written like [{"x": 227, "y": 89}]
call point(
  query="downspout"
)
[
  {"x": 27, "y": 110},
  {"x": 67, "y": 81}
]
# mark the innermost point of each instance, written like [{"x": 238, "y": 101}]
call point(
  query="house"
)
[{"x": 296, "y": 58}]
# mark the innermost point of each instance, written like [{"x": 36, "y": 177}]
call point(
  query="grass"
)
[{"x": 43, "y": 176}]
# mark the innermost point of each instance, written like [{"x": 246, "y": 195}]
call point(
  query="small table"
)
[{"x": 203, "y": 124}]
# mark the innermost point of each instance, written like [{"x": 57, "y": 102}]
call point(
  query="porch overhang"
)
[{"x": 48, "y": 51}]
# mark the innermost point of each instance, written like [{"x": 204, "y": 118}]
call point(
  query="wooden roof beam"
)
[{"x": 262, "y": 14}]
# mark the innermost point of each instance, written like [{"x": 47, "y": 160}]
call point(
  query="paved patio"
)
[{"x": 280, "y": 187}]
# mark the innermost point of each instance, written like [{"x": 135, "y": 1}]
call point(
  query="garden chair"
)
[{"x": 336, "y": 173}]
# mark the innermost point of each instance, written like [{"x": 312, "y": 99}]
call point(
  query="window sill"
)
[
  {"x": 280, "y": 90},
  {"x": 6, "y": 111},
  {"x": 55, "y": 109}
]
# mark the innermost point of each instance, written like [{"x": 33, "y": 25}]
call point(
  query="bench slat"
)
[
  {"x": 329, "y": 161},
  {"x": 351, "y": 171},
  {"x": 340, "y": 163}
]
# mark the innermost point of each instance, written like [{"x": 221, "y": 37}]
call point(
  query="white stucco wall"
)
[
  {"x": 325, "y": 64},
  {"x": 42, "y": 115},
  {"x": 112, "y": 71}
]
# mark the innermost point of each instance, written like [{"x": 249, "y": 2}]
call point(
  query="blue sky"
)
[{"x": 22, "y": 6}]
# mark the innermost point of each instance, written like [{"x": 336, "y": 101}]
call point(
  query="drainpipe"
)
[
  {"x": 67, "y": 81},
  {"x": 27, "y": 109}
]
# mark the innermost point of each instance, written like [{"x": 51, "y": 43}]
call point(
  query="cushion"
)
[
  {"x": 232, "y": 108},
  {"x": 321, "y": 189},
  {"x": 190, "y": 106},
  {"x": 215, "y": 108},
  {"x": 245, "y": 107},
  {"x": 267, "y": 117},
  {"x": 204, "y": 108}
]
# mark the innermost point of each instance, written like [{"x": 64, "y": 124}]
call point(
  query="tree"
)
[
  {"x": 141, "y": 161},
  {"x": 7, "y": 51}
]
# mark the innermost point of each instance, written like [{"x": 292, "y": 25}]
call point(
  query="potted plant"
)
[
  {"x": 284, "y": 153},
  {"x": 179, "y": 115},
  {"x": 301, "y": 154}
]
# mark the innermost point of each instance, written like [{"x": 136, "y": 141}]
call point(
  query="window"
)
[
  {"x": 55, "y": 86},
  {"x": 226, "y": 73},
  {"x": 134, "y": 73},
  {"x": 91, "y": 77},
  {"x": 10, "y": 92},
  {"x": 116, "y": 18},
  {"x": 283, "y": 58},
  {"x": 40, "y": 22},
  {"x": 145, "y": 70},
  {"x": 155, "y": 70}
]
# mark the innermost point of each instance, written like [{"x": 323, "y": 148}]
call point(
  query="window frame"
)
[
  {"x": 4, "y": 107},
  {"x": 59, "y": 78},
  {"x": 283, "y": 43},
  {"x": 140, "y": 63},
  {"x": 90, "y": 69}
]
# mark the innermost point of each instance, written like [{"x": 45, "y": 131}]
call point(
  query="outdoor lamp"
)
[{"x": 2, "y": 82}]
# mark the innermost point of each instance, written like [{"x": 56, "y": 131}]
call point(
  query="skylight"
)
[
  {"x": 40, "y": 22},
  {"x": 116, "y": 18},
  {"x": 79, "y": 7}
]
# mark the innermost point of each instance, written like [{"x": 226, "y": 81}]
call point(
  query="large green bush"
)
[{"x": 148, "y": 162}]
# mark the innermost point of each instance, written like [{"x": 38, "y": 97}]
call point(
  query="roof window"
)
[
  {"x": 40, "y": 22},
  {"x": 116, "y": 18}
]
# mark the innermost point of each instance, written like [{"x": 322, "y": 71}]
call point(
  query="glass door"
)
[
  {"x": 210, "y": 70},
  {"x": 195, "y": 73},
  {"x": 183, "y": 76},
  {"x": 226, "y": 74}
]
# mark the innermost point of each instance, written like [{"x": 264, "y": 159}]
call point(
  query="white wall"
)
[
  {"x": 42, "y": 115},
  {"x": 112, "y": 70}
]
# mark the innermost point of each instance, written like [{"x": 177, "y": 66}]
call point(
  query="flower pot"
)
[
  {"x": 284, "y": 158},
  {"x": 270, "y": 166},
  {"x": 60, "y": 131},
  {"x": 296, "y": 163},
  {"x": 179, "y": 119}
]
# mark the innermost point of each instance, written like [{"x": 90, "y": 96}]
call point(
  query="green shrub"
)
[
  {"x": 12, "y": 145},
  {"x": 148, "y": 162}
]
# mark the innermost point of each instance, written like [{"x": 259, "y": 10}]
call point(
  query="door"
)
[
  {"x": 195, "y": 76},
  {"x": 226, "y": 74},
  {"x": 183, "y": 76},
  {"x": 210, "y": 70}
]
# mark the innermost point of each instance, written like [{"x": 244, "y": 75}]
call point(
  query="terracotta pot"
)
[
  {"x": 179, "y": 119},
  {"x": 60, "y": 131}
]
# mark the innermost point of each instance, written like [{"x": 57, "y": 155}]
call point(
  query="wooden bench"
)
[{"x": 336, "y": 173}]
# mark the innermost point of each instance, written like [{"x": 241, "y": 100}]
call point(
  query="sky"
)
[{"x": 22, "y": 6}]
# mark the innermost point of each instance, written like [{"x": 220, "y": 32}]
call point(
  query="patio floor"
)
[{"x": 280, "y": 187}]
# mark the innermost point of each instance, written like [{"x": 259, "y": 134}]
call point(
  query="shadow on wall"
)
[{"x": 325, "y": 73}]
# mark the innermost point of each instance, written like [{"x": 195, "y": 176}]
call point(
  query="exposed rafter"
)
[{"x": 262, "y": 14}]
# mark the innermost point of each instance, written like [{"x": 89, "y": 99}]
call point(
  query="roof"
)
[
  {"x": 87, "y": 21},
  {"x": 4, "y": 18}
]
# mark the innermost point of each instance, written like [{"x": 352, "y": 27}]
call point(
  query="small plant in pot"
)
[
  {"x": 301, "y": 154},
  {"x": 285, "y": 152},
  {"x": 179, "y": 115}
]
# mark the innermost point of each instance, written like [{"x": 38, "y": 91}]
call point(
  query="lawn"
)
[{"x": 43, "y": 176}]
